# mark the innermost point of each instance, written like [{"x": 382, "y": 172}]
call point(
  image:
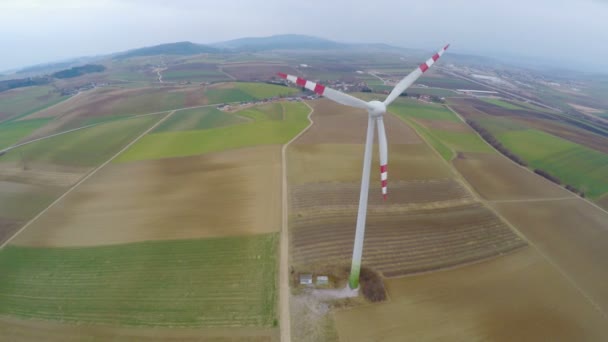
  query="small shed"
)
[
  {"x": 322, "y": 280},
  {"x": 305, "y": 279}
]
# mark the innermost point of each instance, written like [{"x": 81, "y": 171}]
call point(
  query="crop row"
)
[
  {"x": 346, "y": 194},
  {"x": 210, "y": 282},
  {"x": 400, "y": 242}
]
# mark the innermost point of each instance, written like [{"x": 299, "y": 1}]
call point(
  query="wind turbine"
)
[{"x": 376, "y": 110}]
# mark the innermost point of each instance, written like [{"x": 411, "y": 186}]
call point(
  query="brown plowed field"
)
[
  {"x": 322, "y": 195},
  {"x": 13, "y": 329},
  {"x": 573, "y": 233},
  {"x": 496, "y": 178},
  {"x": 338, "y": 124},
  {"x": 398, "y": 243},
  {"x": 428, "y": 222},
  {"x": 314, "y": 163},
  {"x": 603, "y": 202},
  {"x": 7, "y": 228},
  {"x": 221, "y": 194},
  {"x": 518, "y": 297}
]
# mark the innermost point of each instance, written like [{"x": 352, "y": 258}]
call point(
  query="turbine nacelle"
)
[{"x": 376, "y": 108}]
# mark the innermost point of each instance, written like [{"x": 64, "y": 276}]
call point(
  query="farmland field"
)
[
  {"x": 429, "y": 209},
  {"x": 15, "y": 329},
  {"x": 500, "y": 120},
  {"x": 199, "y": 118},
  {"x": 574, "y": 164},
  {"x": 116, "y": 101},
  {"x": 501, "y": 103},
  {"x": 241, "y": 91},
  {"x": 197, "y": 72},
  {"x": 496, "y": 178},
  {"x": 503, "y": 299},
  {"x": 573, "y": 234},
  {"x": 21, "y": 102},
  {"x": 87, "y": 147},
  {"x": 220, "y": 282},
  {"x": 12, "y": 132},
  {"x": 431, "y": 91},
  {"x": 440, "y": 127},
  {"x": 400, "y": 241},
  {"x": 262, "y": 131},
  {"x": 256, "y": 71},
  {"x": 129, "y": 202}
]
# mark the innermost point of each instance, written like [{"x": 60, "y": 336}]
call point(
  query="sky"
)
[{"x": 560, "y": 32}]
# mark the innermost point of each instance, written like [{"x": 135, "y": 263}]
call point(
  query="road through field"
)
[
  {"x": 89, "y": 175},
  {"x": 284, "y": 314}
]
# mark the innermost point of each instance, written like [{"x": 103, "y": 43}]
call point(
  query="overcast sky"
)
[{"x": 572, "y": 31}]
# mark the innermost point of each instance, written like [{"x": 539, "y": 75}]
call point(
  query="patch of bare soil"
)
[
  {"x": 519, "y": 297},
  {"x": 338, "y": 124},
  {"x": 496, "y": 178},
  {"x": 216, "y": 194}
]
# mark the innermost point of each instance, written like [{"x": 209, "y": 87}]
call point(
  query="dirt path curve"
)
[
  {"x": 94, "y": 171},
  {"x": 284, "y": 295}
]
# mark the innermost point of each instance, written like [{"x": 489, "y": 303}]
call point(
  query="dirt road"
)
[{"x": 284, "y": 316}]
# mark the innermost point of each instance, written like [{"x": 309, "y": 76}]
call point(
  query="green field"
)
[
  {"x": 462, "y": 141},
  {"x": 244, "y": 91},
  {"x": 199, "y": 118},
  {"x": 219, "y": 282},
  {"x": 12, "y": 132},
  {"x": 445, "y": 152},
  {"x": 574, "y": 164},
  {"x": 18, "y": 103},
  {"x": 417, "y": 109},
  {"x": 271, "y": 111},
  {"x": 187, "y": 143},
  {"x": 446, "y": 142},
  {"x": 87, "y": 147}
]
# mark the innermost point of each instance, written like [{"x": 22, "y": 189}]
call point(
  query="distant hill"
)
[
  {"x": 180, "y": 48},
  {"x": 78, "y": 71},
  {"x": 48, "y": 68},
  {"x": 279, "y": 42}
]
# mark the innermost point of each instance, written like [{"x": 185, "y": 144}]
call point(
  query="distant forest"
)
[{"x": 42, "y": 80}]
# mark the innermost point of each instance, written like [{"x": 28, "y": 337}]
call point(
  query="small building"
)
[
  {"x": 305, "y": 279},
  {"x": 322, "y": 280}
]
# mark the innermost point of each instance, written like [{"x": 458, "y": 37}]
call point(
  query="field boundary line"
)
[
  {"x": 87, "y": 176},
  {"x": 548, "y": 199},
  {"x": 527, "y": 169},
  {"x": 284, "y": 292},
  {"x": 489, "y": 205},
  {"x": 122, "y": 119}
]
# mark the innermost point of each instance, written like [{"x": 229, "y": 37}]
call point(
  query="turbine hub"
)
[{"x": 376, "y": 108}]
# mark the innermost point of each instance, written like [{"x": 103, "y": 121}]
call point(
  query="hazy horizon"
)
[{"x": 567, "y": 34}]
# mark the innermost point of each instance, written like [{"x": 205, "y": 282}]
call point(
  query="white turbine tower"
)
[{"x": 376, "y": 110}]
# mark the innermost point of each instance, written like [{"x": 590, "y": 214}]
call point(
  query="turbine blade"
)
[
  {"x": 322, "y": 90},
  {"x": 408, "y": 80},
  {"x": 383, "y": 157}
]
